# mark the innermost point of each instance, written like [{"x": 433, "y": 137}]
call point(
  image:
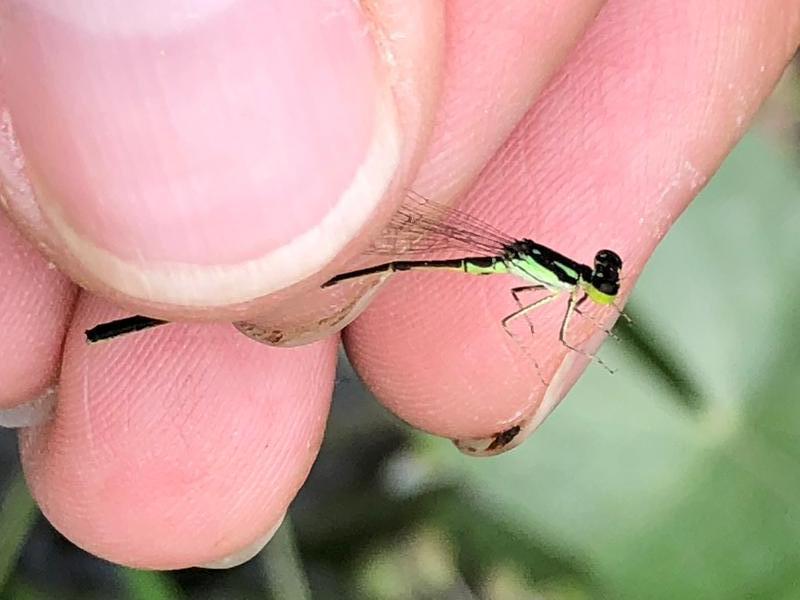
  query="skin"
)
[{"x": 580, "y": 124}]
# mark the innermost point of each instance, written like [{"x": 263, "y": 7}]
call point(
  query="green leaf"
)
[
  {"x": 17, "y": 517},
  {"x": 150, "y": 585},
  {"x": 283, "y": 566},
  {"x": 660, "y": 501}
]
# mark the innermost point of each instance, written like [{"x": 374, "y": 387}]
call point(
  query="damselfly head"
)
[{"x": 605, "y": 277}]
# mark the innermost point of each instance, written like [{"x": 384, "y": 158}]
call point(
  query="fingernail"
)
[
  {"x": 568, "y": 372},
  {"x": 511, "y": 437},
  {"x": 245, "y": 554},
  {"x": 300, "y": 330},
  {"x": 35, "y": 412},
  {"x": 500, "y": 442},
  {"x": 205, "y": 155}
]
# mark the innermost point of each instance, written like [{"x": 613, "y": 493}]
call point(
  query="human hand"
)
[{"x": 189, "y": 165}]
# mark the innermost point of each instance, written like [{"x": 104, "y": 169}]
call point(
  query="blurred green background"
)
[{"x": 677, "y": 477}]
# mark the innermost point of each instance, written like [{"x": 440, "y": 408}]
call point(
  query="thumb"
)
[{"x": 205, "y": 156}]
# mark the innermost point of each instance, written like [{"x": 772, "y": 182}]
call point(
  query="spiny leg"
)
[
  {"x": 525, "y": 288},
  {"x": 523, "y": 311},
  {"x": 605, "y": 330},
  {"x": 529, "y": 308},
  {"x": 562, "y": 335},
  {"x": 622, "y": 314}
]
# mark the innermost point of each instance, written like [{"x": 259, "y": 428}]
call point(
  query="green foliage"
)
[
  {"x": 17, "y": 515},
  {"x": 655, "y": 500},
  {"x": 149, "y": 585},
  {"x": 283, "y": 567}
]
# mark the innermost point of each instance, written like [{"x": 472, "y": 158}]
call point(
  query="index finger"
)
[{"x": 607, "y": 159}]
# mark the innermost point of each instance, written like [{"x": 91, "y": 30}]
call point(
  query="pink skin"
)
[
  {"x": 229, "y": 207},
  {"x": 35, "y": 309},
  {"x": 222, "y": 427},
  {"x": 198, "y": 438}
]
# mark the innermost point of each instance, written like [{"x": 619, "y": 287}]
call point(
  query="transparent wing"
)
[{"x": 421, "y": 226}]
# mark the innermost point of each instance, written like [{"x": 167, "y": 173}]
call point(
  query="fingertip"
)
[
  {"x": 255, "y": 142},
  {"x": 179, "y": 446},
  {"x": 35, "y": 305},
  {"x": 629, "y": 109}
]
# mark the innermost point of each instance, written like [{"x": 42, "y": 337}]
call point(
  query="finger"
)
[
  {"x": 35, "y": 303},
  {"x": 498, "y": 57},
  {"x": 206, "y": 156},
  {"x": 179, "y": 447},
  {"x": 642, "y": 116}
]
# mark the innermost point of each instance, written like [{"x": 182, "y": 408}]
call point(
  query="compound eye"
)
[{"x": 608, "y": 258}]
